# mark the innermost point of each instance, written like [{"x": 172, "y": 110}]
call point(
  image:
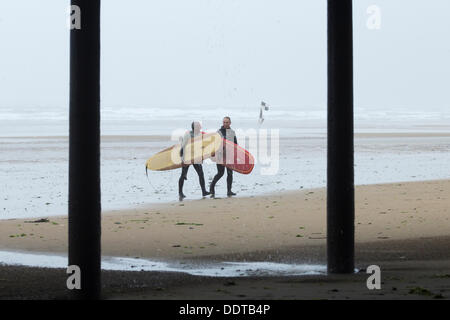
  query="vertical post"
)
[
  {"x": 340, "y": 172},
  {"x": 84, "y": 149}
]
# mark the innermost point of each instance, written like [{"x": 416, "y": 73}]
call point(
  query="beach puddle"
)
[{"x": 210, "y": 269}]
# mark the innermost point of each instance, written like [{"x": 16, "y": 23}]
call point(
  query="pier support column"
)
[
  {"x": 84, "y": 149},
  {"x": 340, "y": 172}
]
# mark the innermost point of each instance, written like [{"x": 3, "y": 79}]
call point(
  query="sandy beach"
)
[
  {"x": 212, "y": 227},
  {"x": 403, "y": 227}
]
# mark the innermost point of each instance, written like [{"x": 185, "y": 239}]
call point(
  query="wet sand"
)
[
  {"x": 211, "y": 227},
  {"x": 410, "y": 269},
  {"x": 35, "y": 175},
  {"x": 417, "y": 134},
  {"x": 402, "y": 227}
]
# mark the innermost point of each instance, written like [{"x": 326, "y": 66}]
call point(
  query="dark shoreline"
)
[{"x": 408, "y": 266}]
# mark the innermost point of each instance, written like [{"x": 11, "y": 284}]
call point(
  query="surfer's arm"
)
[
  {"x": 186, "y": 139},
  {"x": 184, "y": 142}
]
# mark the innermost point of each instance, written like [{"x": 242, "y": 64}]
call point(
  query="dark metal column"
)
[
  {"x": 340, "y": 174},
  {"x": 84, "y": 150}
]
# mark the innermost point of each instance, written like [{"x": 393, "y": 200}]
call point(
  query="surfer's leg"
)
[
  {"x": 201, "y": 178},
  {"x": 220, "y": 172},
  {"x": 184, "y": 171},
  {"x": 230, "y": 182}
]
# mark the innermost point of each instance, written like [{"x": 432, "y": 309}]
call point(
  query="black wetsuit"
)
[
  {"x": 221, "y": 168},
  {"x": 201, "y": 177},
  {"x": 184, "y": 170}
]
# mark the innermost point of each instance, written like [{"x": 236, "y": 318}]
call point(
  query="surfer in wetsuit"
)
[
  {"x": 196, "y": 127},
  {"x": 226, "y": 132}
]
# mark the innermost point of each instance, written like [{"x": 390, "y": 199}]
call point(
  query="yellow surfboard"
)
[{"x": 200, "y": 148}]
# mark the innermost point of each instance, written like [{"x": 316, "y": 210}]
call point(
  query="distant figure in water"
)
[
  {"x": 226, "y": 132},
  {"x": 196, "y": 127}
]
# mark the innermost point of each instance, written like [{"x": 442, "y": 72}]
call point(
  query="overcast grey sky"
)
[{"x": 194, "y": 53}]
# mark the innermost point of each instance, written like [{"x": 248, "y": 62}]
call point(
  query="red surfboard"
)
[{"x": 236, "y": 158}]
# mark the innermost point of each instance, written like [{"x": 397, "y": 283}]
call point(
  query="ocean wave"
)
[{"x": 206, "y": 113}]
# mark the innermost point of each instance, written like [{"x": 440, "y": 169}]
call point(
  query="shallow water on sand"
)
[
  {"x": 34, "y": 170},
  {"x": 216, "y": 269}
]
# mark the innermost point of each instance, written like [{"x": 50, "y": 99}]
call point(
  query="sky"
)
[{"x": 228, "y": 53}]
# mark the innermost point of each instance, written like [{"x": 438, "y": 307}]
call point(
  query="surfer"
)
[
  {"x": 226, "y": 132},
  {"x": 196, "y": 127}
]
